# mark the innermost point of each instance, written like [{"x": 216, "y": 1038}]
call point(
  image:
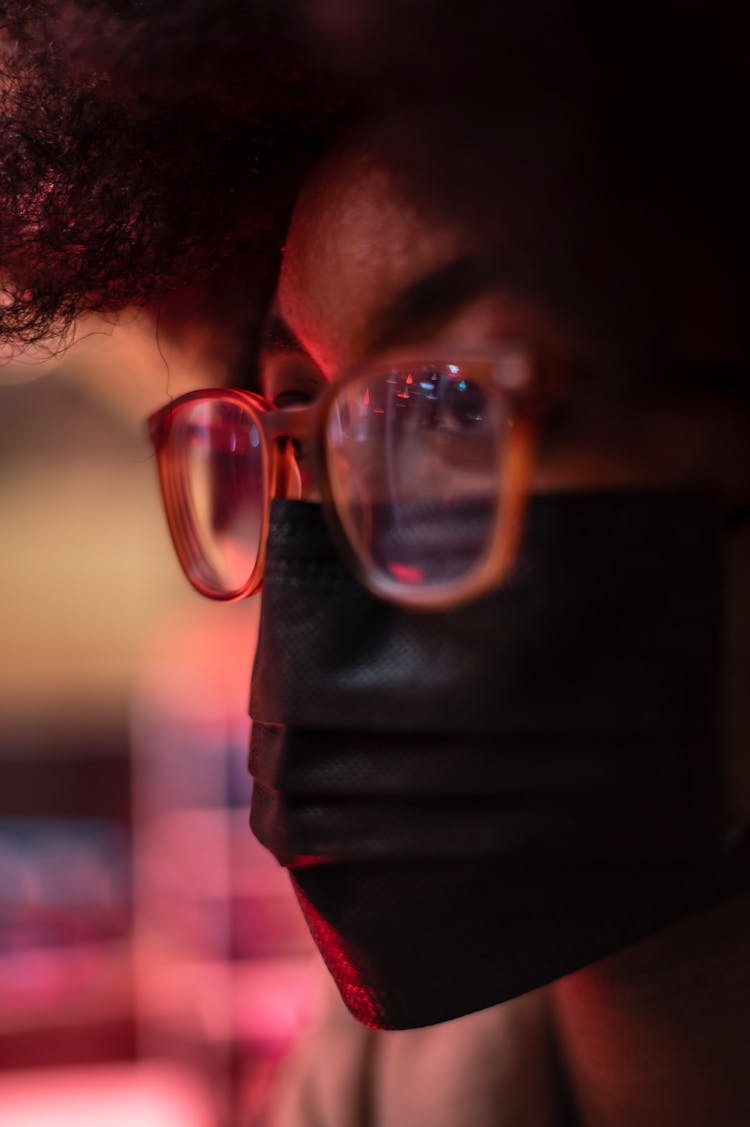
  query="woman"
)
[{"x": 499, "y": 733}]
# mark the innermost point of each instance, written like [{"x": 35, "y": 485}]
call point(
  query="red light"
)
[
  {"x": 359, "y": 995},
  {"x": 406, "y": 574},
  {"x": 404, "y": 393}
]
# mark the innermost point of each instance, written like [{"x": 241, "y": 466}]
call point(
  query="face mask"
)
[{"x": 472, "y": 804}]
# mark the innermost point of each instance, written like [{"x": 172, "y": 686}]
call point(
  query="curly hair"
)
[
  {"x": 154, "y": 150},
  {"x": 123, "y": 181}
]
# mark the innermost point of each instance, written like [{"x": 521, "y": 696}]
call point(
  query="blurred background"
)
[{"x": 153, "y": 964}]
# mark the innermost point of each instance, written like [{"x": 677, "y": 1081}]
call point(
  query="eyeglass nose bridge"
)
[{"x": 288, "y": 422}]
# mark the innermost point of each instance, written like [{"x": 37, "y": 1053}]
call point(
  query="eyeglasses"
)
[{"x": 422, "y": 468}]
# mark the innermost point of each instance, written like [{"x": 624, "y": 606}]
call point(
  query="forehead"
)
[
  {"x": 356, "y": 241},
  {"x": 415, "y": 191},
  {"x": 566, "y": 219}
]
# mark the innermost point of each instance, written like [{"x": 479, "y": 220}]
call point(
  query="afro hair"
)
[{"x": 155, "y": 150}]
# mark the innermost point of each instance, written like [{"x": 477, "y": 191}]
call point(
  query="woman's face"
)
[
  {"x": 371, "y": 265},
  {"x": 378, "y": 259}
]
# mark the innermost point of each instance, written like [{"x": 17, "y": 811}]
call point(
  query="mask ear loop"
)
[
  {"x": 738, "y": 517},
  {"x": 737, "y": 839}
]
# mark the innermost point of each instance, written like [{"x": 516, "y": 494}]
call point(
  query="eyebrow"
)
[
  {"x": 441, "y": 293},
  {"x": 438, "y": 295}
]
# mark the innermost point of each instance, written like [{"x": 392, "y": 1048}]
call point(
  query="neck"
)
[{"x": 658, "y": 1034}]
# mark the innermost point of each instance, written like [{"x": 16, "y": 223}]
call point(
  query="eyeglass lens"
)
[
  {"x": 220, "y": 467},
  {"x": 413, "y": 460}
]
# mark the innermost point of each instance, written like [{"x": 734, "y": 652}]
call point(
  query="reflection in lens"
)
[
  {"x": 217, "y": 447},
  {"x": 414, "y": 460}
]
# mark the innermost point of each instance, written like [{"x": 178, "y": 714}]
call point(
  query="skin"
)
[{"x": 656, "y": 1034}]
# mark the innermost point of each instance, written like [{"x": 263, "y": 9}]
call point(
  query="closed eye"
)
[
  {"x": 293, "y": 397},
  {"x": 289, "y": 379}
]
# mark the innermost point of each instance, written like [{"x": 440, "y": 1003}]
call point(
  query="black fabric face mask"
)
[{"x": 475, "y": 803}]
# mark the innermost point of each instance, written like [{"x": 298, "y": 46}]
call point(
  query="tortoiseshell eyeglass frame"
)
[{"x": 508, "y": 374}]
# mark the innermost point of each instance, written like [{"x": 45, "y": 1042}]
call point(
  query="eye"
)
[
  {"x": 466, "y": 402},
  {"x": 288, "y": 381},
  {"x": 291, "y": 398}
]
